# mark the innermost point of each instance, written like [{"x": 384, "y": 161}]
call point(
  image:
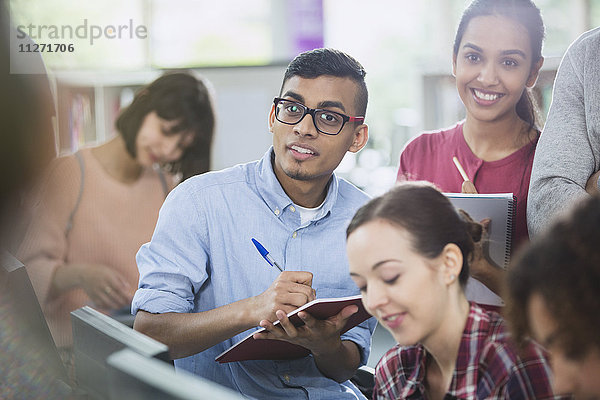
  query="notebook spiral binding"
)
[{"x": 510, "y": 231}]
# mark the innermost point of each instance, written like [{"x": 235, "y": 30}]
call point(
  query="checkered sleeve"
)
[
  {"x": 386, "y": 374},
  {"x": 530, "y": 376},
  {"x": 511, "y": 373},
  {"x": 507, "y": 372},
  {"x": 398, "y": 374}
]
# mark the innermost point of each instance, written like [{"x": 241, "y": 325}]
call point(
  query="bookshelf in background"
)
[
  {"x": 75, "y": 118},
  {"x": 238, "y": 138},
  {"x": 89, "y": 102}
]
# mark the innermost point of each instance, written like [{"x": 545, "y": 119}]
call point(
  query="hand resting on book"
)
[
  {"x": 265, "y": 348},
  {"x": 319, "y": 336},
  {"x": 482, "y": 267}
]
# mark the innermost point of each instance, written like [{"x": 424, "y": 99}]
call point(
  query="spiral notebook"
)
[{"x": 501, "y": 209}]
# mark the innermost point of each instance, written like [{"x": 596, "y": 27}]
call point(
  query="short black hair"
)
[
  {"x": 175, "y": 96},
  {"x": 562, "y": 265},
  {"x": 314, "y": 63}
]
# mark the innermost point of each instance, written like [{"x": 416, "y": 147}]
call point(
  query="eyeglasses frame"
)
[{"x": 312, "y": 112}]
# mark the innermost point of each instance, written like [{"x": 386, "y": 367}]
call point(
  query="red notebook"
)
[{"x": 271, "y": 349}]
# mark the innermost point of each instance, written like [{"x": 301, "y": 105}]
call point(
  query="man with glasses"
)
[{"x": 203, "y": 285}]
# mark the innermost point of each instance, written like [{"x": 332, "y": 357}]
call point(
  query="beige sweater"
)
[{"x": 113, "y": 220}]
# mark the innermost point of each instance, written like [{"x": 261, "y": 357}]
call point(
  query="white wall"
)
[{"x": 243, "y": 99}]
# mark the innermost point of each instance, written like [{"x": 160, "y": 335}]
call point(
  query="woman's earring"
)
[{"x": 452, "y": 278}]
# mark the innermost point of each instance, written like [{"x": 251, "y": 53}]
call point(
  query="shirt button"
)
[
  {"x": 286, "y": 377},
  {"x": 294, "y": 235},
  {"x": 293, "y": 209},
  {"x": 276, "y": 211}
]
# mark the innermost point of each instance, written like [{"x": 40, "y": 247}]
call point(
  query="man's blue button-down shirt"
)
[{"x": 201, "y": 257}]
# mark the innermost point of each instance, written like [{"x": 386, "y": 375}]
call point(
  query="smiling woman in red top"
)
[{"x": 496, "y": 60}]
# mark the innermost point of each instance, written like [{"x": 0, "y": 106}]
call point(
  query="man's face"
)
[
  {"x": 576, "y": 376},
  {"x": 302, "y": 153}
]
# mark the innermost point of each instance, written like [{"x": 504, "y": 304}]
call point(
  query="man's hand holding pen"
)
[
  {"x": 293, "y": 289},
  {"x": 290, "y": 290}
]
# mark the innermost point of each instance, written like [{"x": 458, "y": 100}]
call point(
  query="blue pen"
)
[{"x": 265, "y": 253}]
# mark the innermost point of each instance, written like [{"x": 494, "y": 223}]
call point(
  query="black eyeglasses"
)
[{"x": 326, "y": 121}]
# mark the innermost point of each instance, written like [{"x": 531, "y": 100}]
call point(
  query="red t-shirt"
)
[{"x": 429, "y": 157}]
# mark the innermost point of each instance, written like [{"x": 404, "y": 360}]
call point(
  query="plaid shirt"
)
[{"x": 487, "y": 366}]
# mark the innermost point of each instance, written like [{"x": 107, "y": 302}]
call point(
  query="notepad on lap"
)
[
  {"x": 269, "y": 349},
  {"x": 500, "y": 208}
]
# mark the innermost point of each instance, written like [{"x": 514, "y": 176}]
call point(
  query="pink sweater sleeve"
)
[{"x": 44, "y": 246}]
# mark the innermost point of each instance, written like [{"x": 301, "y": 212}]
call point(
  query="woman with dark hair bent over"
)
[{"x": 99, "y": 205}]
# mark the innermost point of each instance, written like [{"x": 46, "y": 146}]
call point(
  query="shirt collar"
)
[
  {"x": 415, "y": 382},
  {"x": 477, "y": 326},
  {"x": 273, "y": 194},
  {"x": 473, "y": 339}
]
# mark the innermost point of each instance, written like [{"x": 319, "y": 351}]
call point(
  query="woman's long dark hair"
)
[{"x": 174, "y": 97}]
